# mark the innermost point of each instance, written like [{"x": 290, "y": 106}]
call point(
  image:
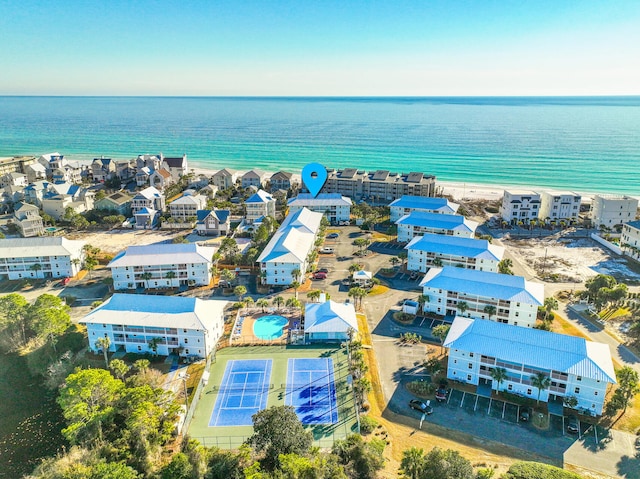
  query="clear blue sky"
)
[{"x": 342, "y": 47}]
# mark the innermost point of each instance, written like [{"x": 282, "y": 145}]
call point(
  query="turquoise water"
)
[
  {"x": 587, "y": 144},
  {"x": 269, "y": 327}
]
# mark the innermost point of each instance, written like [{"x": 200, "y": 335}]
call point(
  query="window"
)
[
  {"x": 577, "y": 390},
  {"x": 468, "y": 377},
  {"x": 186, "y": 340},
  {"x": 579, "y": 378},
  {"x": 470, "y": 355},
  {"x": 595, "y": 393},
  {"x": 455, "y": 361},
  {"x": 510, "y": 387},
  {"x": 529, "y": 392},
  {"x": 470, "y": 365},
  {"x": 186, "y": 351}
]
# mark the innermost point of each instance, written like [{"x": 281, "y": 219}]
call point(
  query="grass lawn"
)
[{"x": 30, "y": 420}]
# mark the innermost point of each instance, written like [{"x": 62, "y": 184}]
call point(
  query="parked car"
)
[
  {"x": 326, "y": 250},
  {"x": 345, "y": 223},
  {"x": 319, "y": 275},
  {"x": 423, "y": 407},
  {"x": 322, "y": 270},
  {"x": 573, "y": 425},
  {"x": 413, "y": 275},
  {"x": 332, "y": 235},
  {"x": 638, "y": 443},
  {"x": 442, "y": 394},
  {"x": 525, "y": 414}
]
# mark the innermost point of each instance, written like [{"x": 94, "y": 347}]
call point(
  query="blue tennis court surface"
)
[
  {"x": 242, "y": 393},
  {"x": 311, "y": 390}
]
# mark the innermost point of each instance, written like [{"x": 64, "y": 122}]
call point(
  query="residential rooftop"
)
[
  {"x": 437, "y": 221},
  {"x": 426, "y": 203},
  {"x": 158, "y": 254},
  {"x": 457, "y": 246}
]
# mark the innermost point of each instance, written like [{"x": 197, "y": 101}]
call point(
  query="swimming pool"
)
[{"x": 270, "y": 326}]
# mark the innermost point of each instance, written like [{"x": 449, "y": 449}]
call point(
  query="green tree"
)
[
  {"x": 262, "y": 303},
  {"x": 141, "y": 365},
  {"x": 228, "y": 464},
  {"x": 240, "y": 291},
  {"x": 178, "y": 468},
  {"x": 490, "y": 311},
  {"x": 170, "y": 275},
  {"x": 90, "y": 264},
  {"x": 317, "y": 465},
  {"x": 119, "y": 368},
  {"x": 146, "y": 276},
  {"x": 295, "y": 285},
  {"x": 358, "y": 294},
  {"x": 550, "y": 304},
  {"x": 36, "y": 267},
  {"x": 628, "y": 386},
  {"x": 15, "y": 317},
  {"x": 314, "y": 295},
  {"x": 228, "y": 275},
  {"x": 422, "y": 300},
  {"x": 598, "y": 282},
  {"x": 295, "y": 275},
  {"x": 412, "y": 463},
  {"x": 541, "y": 381},
  {"x": 293, "y": 303},
  {"x": 361, "y": 460},
  {"x": 395, "y": 261},
  {"x": 433, "y": 366},
  {"x": 462, "y": 307},
  {"x": 354, "y": 267},
  {"x": 446, "y": 464},
  {"x": 278, "y": 301},
  {"x": 153, "y": 345},
  {"x": 88, "y": 400},
  {"x": 50, "y": 317},
  {"x": 440, "y": 333},
  {"x": 277, "y": 430},
  {"x": 103, "y": 344},
  {"x": 505, "y": 266},
  {"x": 499, "y": 375}
]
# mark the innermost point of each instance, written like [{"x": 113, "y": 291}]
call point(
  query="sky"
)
[{"x": 320, "y": 48}]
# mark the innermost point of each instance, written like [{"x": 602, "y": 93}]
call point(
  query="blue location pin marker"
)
[{"x": 314, "y": 176}]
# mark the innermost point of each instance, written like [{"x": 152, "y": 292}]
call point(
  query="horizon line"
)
[{"x": 636, "y": 95}]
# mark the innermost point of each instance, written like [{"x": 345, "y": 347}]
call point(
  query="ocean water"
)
[{"x": 583, "y": 143}]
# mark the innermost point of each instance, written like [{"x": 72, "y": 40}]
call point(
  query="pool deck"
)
[{"x": 247, "y": 334}]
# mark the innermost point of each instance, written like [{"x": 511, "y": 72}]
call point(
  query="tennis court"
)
[
  {"x": 311, "y": 390},
  {"x": 242, "y": 393}
]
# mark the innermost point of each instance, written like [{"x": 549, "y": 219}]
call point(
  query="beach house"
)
[
  {"x": 161, "y": 266},
  {"x": 213, "y": 222},
  {"x": 176, "y": 166},
  {"x": 477, "y": 294},
  {"x": 611, "y": 211},
  {"x": 103, "y": 169},
  {"x": 559, "y": 205},
  {"x": 520, "y": 206},
  {"x": 259, "y": 205},
  {"x": 146, "y": 206},
  {"x": 225, "y": 178},
  {"x": 255, "y": 178},
  {"x": 119, "y": 203},
  {"x": 407, "y": 204},
  {"x": 424, "y": 252},
  {"x": 418, "y": 223},
  {"x": 334, "y": 206},
  {"x": 573, "y": 366},
  {"x": 289, "y": 248},
  {"x": 630, "y": 239},
  {"x": 163, "y": 325},
  {"x": 48, "y": 257},
  {"x": 27, "y": 219},
  {"x": 187, "y": 206},
  {"x": 281, "y": 180}
]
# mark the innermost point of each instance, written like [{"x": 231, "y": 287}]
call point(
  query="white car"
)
[{"x": 326, "y": 251}]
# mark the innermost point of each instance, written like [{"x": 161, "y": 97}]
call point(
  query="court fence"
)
[
  {"x": 196, "y": 396},
  {"x": 324, "y": 440}
]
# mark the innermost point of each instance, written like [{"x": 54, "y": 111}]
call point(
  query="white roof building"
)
[
  {"x": 335, "y": 206},
  {"x": 407, "y": 204},
  {"x": 329, "y": 321},
  {"x": 520, "y": 205},
  {"x": 183, "y": 325},
  {"x": 452, "y": 251},
  {"x": 55, "y": 256},
  {"x": 576, "y": 367},
  {"x": 559, "y": 205},
  {"x": 610, "y": 210},
  {"x": 418, "y": 223}
]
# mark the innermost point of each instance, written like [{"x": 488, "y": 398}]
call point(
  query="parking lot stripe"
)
[
  {"x": 504, "y": 405},
  {"x": 462, "y": 400},
  {"x": 489, "y": 408},
  {"x": 475, "y": 406}
]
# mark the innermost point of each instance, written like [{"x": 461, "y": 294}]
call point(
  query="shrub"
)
[
  {"x": 536, "y": 470},
  {"x": 421, "y": 388},
  {"x": 367, "y": 424}
]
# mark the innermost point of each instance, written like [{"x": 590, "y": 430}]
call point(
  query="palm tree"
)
[
  {"x": 240, "y": 291},
  {"x": 550, "y": 304},
  {"x": 295, "y": 275},
  {"x": 262, "y": 303},
  {"x": 395, "y": 261},
  {"x": 35, "y": 267},
  {"x": 104, "y": 343},
  {"x": 422, "y": 299},
  {"x": 170, "y": 275},
  {"x": 412, "y": 464},
  {"x": 358, "y": 293},
  {"x": 541, "y": 381},
  {"x": 293, "y": 303},
  {"x": 490, "y": 310},
  {"x": 146, "y": 277},
  {"x": 228, "y": 275},
  {"x": 354, "y": 267},
  {"x": 295, "y": 285},
  {"x": 437, "y": 262},
  {"x": 278, "y": 301},
  {"x": 153, "y": 345},
  {"x": 499, "y": 375},
  {"x": 504, "y": 266},
  {"x": 314, "y": 295},
  {"x": 462, "y": 307},
  {"x": 440, "y": 333}
]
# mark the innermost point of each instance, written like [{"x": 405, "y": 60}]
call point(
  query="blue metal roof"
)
[
  {"x": 485, "y": 283},
  {"x": 424, "y": 203},
  {"x": 436, "y": 220},
  {"x": 634, "y": 224},
  {"x": 260, "y": 196},
  {"x": 456, "y": 246},
  {"x": 532, "y": 347}
]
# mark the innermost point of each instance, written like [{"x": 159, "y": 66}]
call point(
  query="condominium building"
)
[
  {"x": 520, "y": 205},
  {"x": 259, "y": 205},
  {"x": 137, "y": 323},
  {"x": 499, "y": 297},
  {"x": 630, "y": 240},
  {"x": 187, "y": 206},
  {"x": 407, "y": 204},
  {"x": 559, "y": 205},
  {"x": 160, "y": 266},
  {"x": 424, "y": 252},
  {"x": 574, "y": 366},
  {"x": 48, "y": 257},
  {"x": 16, "y": 163},
  {"x": 335, "y": 207},
  {"x": 418, "y": 223},
  {"x": 611, "y": 211},
  {"x": 289, "y": 248}
]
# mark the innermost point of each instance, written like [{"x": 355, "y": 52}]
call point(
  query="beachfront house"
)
[
  {"x": 187, "y": 206},
  {"x": 335, "y": 207},
  {"x": 146, "y": 207},
  {"x": 424, "y": 252},
  {"x": 35, "y": 172},
  {"x": 611, "y": 211},
  {"x": 118, "y": 203},
  {"x": 630, "y": 239},
  {"x": 213, "y": 222},
  {"x": 405, "y": 205},
  {"x": 47, "y": 257},
  {"x": 13, "y": 178},
  {"x": 476, "y": 294},
  {"x": 225, "y": 178},
  {"x": 61, "y": 196},
  {"x": 574, "y": 366},
  {"x": 161, "y": 179},
  {"x": 163, "y": 325},
  {"x": 329, "y": 321},
  {"x": 559, "y": 205},
  {"x": 255, "y": 178},
  {"x": 27, "y": 219},
  {"x": 281, "y": 180},
  {"x": 289, "y": 248},
  {"x": 520, "y": 206},
  {"x": 102, "y": 169},
  {"x": 418, "y": 223},
  {"x": 161, "y": 266},
  {"x": 176, "y": 166},
  {"x": 259, "y": 205}
]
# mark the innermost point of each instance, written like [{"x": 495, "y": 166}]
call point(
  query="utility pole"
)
[{"x": 184, "y": 377}]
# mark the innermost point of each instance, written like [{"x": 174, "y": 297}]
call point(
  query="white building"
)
[
  {"x": 178, "y": 325},
  {"x": 407, "y": 204},
  {"x": 498, "y": 297},
  {"x": 169, "y": 266},
  {"x": 559, "y": 205},
  {"x": 334, "y": 206},
  {"x": 576, "y": 367},
  {"x": 56, "y": 256},
  {"x": 520, "y": 205},
  {"x": 329, "y": 321},
  {"x": 255, "y": 178},
  {"x": 418, "y": 223},
  {"x": 176, "y": 166},
  {"x": 611, "y": 211},
  {"x": 630, "y": 240},
  {"x": 289, "y": 248},
  {"x": 146, "y": 206},
  {"x": 259, "y": 205},
  {"x": 187, "y": 206},
  {"x": 478, "y": 254},
  {"x": 28, "y": 220},
  {"x": 225, "y": 178},
  {"x": 13, "y": 178}
]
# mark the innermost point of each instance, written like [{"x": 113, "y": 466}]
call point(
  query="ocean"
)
[{"x": 589, "y": 144}]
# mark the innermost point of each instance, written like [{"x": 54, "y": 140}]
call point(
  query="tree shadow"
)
[{"x": 629, "y": 467}]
